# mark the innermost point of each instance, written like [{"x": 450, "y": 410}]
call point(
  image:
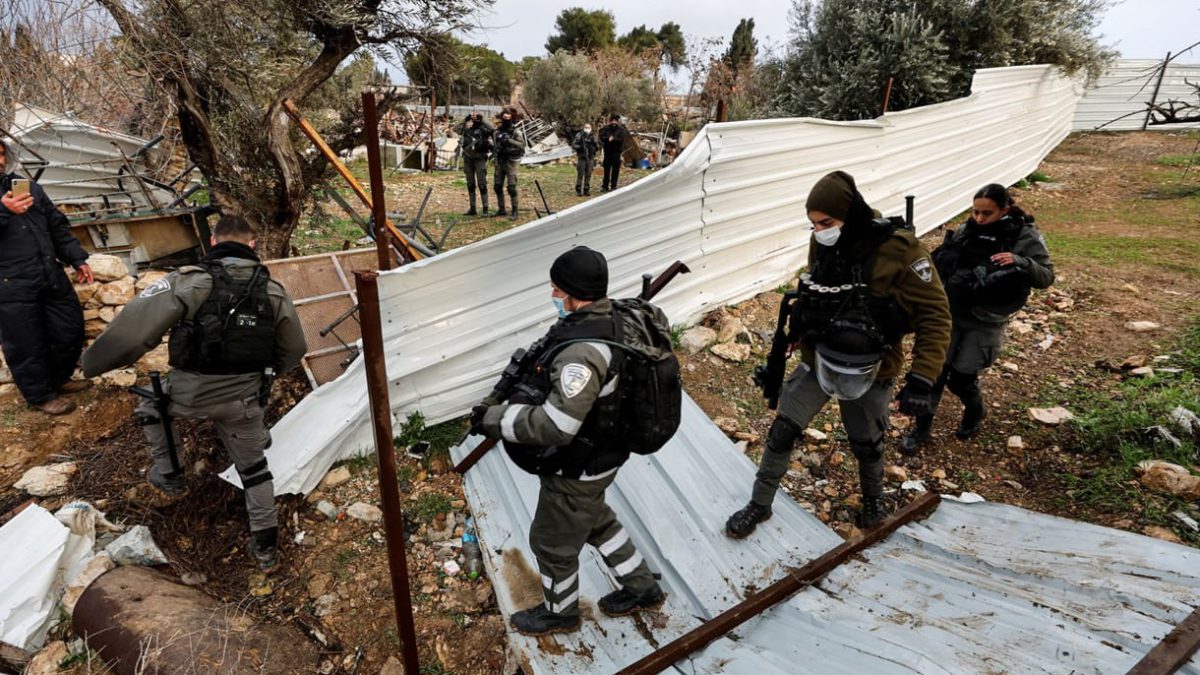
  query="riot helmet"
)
[{"x": 848, "y": 358}]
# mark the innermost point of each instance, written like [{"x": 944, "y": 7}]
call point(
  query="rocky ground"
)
[{"x": 1119, "y": 213}]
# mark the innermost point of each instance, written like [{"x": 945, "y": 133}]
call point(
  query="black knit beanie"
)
[
  {"x": 581, "y": 273},
  {"x": 833, "y": 194}
]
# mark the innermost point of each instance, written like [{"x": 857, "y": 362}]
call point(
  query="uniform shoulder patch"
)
[
  {"x": 573, "y": 378},
  {"x": 161, "y": 286},
  {"x": 922, "y": 268}
]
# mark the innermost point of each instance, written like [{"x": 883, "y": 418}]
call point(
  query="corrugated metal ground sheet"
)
[
  {"x": 1118, "y": 101},
  {"x": 976, "y": 588},
  {"x": 731, "y": 206}
]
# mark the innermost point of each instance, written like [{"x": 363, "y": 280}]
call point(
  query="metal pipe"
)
[
  {"x": 366, "y": 283},
  {"x": 909, "y": 211},
  {"x": 887, "y": 95},
  {"x": 378, "y": 192},
  {"x": 757, "y": 603}
]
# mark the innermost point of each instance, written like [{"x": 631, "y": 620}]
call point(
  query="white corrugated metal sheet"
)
[
  {"x": 975, "y": 588},
  {"x": 731, "y": 206},
  {"x": 1118, "y": 101}
]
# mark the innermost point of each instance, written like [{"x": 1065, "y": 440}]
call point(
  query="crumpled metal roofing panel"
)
[
  {"x": 975, "y": 588},
  {"x": 1118, "y": 100},
  {"x": 731, "y": 206}
]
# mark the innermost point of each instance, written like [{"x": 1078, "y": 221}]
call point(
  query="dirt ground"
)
[{"x": 1119, "y": 221}]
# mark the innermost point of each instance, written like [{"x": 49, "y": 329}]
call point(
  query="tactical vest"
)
[
  {"x": 594, "y": 448},
  {"x": 837, "y": 291},
  {"x": 233, "y": 330},
  {"x": 976, "y": 285},
  {"x": 474, "y": 141},
  {"x": 504, "y": 149}
]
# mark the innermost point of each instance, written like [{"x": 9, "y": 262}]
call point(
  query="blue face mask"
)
[{"x": 558, "y": 304}]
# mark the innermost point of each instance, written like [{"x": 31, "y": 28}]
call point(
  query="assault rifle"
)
[
  {"x": 769, "y": 376},
  {"x": 523, "y": 360},
  {"x": 162, "y": 405}
]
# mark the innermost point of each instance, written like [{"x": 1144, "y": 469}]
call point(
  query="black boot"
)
[
  {"x": 471, "y": 211},
  {"x": 917, "y": 436},
  {"x": 172, "y": 485},
  {"x": 972, "y": 419},
  {"x": 541, "y": 621},
  {"x": 872, "y": 512},
  {"x": 587, "y": 192},
  {"x": 743, "y": 522},
  {"x": 484, "y": 212},
  {"x": 624, "y": 601},
  {"x": 578, "y": 191},
  {"x": 265, "y": 549},
  {"x": 499, "y": 204},
  {"x": 513, "y": 213}
]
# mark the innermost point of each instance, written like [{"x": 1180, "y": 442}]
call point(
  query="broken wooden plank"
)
[{"x": 1175, "y": 650}]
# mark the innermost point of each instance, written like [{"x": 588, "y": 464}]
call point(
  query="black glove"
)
[
  {"x": 916, "y": 396},
  {"x": 477, "y": 414}
]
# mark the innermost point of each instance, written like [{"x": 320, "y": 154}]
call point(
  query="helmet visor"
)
[{"x": 845, "y": 382}]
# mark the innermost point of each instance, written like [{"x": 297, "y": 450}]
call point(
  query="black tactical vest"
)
[
  {"x": 233, "y": 330},
  {"x": 975, "y": 282},
  {"x": 836, "y": 290},
  {"x": 596, "y": 448}
]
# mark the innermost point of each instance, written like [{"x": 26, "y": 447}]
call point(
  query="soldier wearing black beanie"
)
[{"x": 581, "y": 273}]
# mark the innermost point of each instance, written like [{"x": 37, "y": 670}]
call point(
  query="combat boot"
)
[
  {"x": 872, "y": 512},
  {"x": 623, "y": 602},
  {"x": 171, "y": 486},
  {"x": 917, "y": 436},
  {"x": 471, "y": 211},
  {"x": 265, "y": 549},
  {"x": 972, "y": 419},
  {"x": 513, "y": 213},
  {"x": 743, "y": 522},
  {"x": 499, "y": 204},
  {"x": 541, "y": 621}
]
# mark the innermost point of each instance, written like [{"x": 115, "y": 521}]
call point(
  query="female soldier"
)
[{"x": 988, "y": 266}]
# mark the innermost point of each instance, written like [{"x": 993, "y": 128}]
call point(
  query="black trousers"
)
[
  {"x": 42, "y": 337},
  {"x": 612, "y": 170}
]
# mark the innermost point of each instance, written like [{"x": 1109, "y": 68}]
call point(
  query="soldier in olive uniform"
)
[
  {"x": 585, "y": 146},
  {"x": 476, "y": 135},
  {"x": 229, "y": 323},
  {"x": 563, "y": 441},
  {"x": 868, "y": 284},
  {"x": 510, "y": 147},
  {"x": 989, "y": 264}
]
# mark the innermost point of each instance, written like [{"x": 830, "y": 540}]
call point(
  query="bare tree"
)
[{"x": 228, "y": 67}]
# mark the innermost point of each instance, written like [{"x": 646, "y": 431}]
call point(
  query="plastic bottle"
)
[{"x": 472, "y": 557}]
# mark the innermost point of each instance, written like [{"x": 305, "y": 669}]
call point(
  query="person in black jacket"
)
[
  {"x": 41, "y": 321},
  {"x": 612, "y": 137},
  {"x": 584, "y": 145},
  {"x": 989, "y": 265}
]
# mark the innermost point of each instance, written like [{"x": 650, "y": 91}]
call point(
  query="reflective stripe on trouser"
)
[
  {"x": 242, "y": 431},
  {"x": 865, "y": 420},
  {"x": 571, "y": 513}
]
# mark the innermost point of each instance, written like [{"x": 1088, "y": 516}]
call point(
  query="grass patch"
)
[
  {"x": 430, "y": 504},
  {"x": 411, "y": 431},
  {"x": 1190, "y": 159},
  {"x": 1115, "y": 426},
  {"x": 1168, "y": 253},
  {"x": 677, "y": 332}
]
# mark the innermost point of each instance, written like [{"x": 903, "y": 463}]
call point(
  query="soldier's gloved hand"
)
[
  {"x": 477, "y": 414},
  {"x": 916, "y": 396}
]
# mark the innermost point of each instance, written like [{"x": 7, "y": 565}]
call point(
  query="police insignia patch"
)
[
  {"x": 923, "y": 269},
  {"x": 574, "y": 378},
  {"x": 160, "y": 286}
]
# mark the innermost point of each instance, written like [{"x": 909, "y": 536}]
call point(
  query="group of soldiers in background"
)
[{"x": 481, "y": 141}]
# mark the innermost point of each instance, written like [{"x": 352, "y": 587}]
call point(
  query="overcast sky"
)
[{"x": 518, "y": 28}]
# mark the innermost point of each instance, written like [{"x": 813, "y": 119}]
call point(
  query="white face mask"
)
[
  {"x": 587, "y": 130},
  {"x": 828, "y": 236}
]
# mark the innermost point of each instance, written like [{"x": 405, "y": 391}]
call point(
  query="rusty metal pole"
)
[
  {"x": 389, "y": 490},
  {"x": 375, "y": 166},
  {"x": 887, "y": 95}
]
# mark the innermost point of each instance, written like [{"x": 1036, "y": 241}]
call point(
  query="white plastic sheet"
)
[{"x": 39, "y": 554}]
